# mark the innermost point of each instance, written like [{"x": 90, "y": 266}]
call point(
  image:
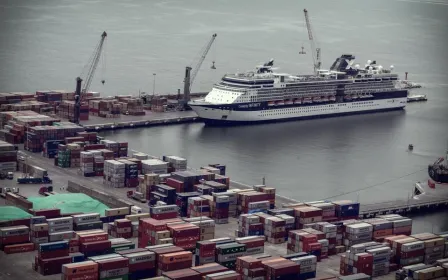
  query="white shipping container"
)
[
  {"x": 307, "y": 268},
  {"x": 164, "y": 209},
  {"x": 60, "y": 221},
  {"x": 305, "y": 261},
  {"x": 140, "y": 257},
  {"x": 413, "y": 246},
  {"x": 59, "y": 236},
  {"x": 61, "y": 228},
  {"x": 259, "y": 205},
  {"x": 359, "y": 228},
  {"x": 14, "y": 231},
  {"x": 402, "y": 223},
  {"x": 255, "y": 250},
  {"x": 82, "y": 218},
  {"x": 222, "y": 198}
]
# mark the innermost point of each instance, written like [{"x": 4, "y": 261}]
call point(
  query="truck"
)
[
  {"x": 136, "y": 196},
  {"x": 46, "y": 191},
  {"x": 32, "y": 180}
]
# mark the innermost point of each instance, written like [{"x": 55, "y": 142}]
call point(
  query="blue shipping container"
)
[
  {"x": 142, "y": 274},
  {"x": 222, "y": 205},
  {"x": 53, "y": 246}
]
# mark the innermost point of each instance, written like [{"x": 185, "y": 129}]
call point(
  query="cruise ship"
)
[{"x": 266, "y": 96}]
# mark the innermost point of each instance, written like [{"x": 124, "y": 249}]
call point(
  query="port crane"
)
[
  {"x": 190, "y": 73},
  {"x": 315, "y": 51},
  {"x": 90, "y": 67}
]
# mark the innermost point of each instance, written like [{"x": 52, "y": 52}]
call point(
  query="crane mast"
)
[
  {"x": 190, "y": 73},
  {"x": 94, "y": 63},
  {"x": 315, "y": 51}
]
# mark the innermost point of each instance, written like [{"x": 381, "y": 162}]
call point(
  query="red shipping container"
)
[
  {"x": 93, "y": 237},
  {"x": 86, "y": 276},
  {"x": 15, "y": 239},
  {"x": 53, "y": 254},
  {"x": 109, "y": 264},
  {"x": 73, "y": 242},
  {"x": 19, "y": 248},
  {"x": 125, "y": 235},
  {"x": 174, "y": 266},
  {"x": 412, "y": 254},
  {"x": 164, "y": 216},
  {"x": 53, "y": 266},
  {"x": 365, "y": 258},
  {"x": 95, "y": 246},
  {"x": 312, "y": 246},
  {"x": 21, "y": 222},
  {"x": 142, "y": 266},
  {"x": 39, "y": 233}
]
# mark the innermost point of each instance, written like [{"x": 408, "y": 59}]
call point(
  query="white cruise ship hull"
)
[{"x": 234, "y": 114}]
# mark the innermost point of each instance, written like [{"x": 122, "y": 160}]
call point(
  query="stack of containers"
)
[
  {"x": 164, "y": 212},
  {"x": 182, "y": 274},
  {"x": 60, "y": 229},
  {"x": 228, "y": 253},
  {"x": 227, "y": 275},
  {"x": 270, "y": 192},
  {"x": 300, "y": 241},
  {"x": 63, "y": 156},
  {"x": 233, "y": 201},
  {"x": 123, "y": 149},
  {"x": 244, "y": 198},
  {"x": 280, "y": 268},
  {"x": 307, "y": 215},
  {"x": 163, "y": 193},
  {"x": 174, "y": 261},
  {"x": 289, "y": 223},
  {"x": 51, "y": 257},
  {"x": 207, "y": 269},
  {"x": 249, "y": 225},
  {"x": 211, "y": 169},
  {"x": 380, "y": 261},
  {"x": 434, "y": 246},
  {"x": 114, "y": 173},
  {"x": 182, "y": 201},
  {"x": 205, "y": 252},
  {"x": 178, "y": 185},
  {"x": 308, "y": 266},
  {"x": 184, "y": 235},
  {"x": 8, "y": 157},
  {"x": 328, "y": 210},
  {"x": 188, "y": 178},
  {"x": 98, "y": 165},
  {"x": 198, "y": 207},
  {"x": 223, "y": 180},
  {"x": 87, "y": 166},
  {"x": 221, "y": 208},
  {"x": 215, "y": 186},
  {"x": 221, "y": 167},
  {"x": 39, "y": 230},
  {"x": 113, "y": 268},
  {"x": 147, "y": 229},
  {"x": 408, "y": 251},
  {"x": 177, "y": 163},
  {"x": 142, "y": 264},
  {"x": 358, "y": 233},
  {"x": 330, "y": 232},
  {"x": 10, "y": 236},
  {"x": 279, "y": 211},
  {"x": 81, "y": 270},
  {"x": 38, "y": 135},
  {"x": 120, "y": 244},
  {"x": 123, "y": 228},
  {"x": 207, "y": 228},
  {"x": 154, "y": 166},
  {"x": 75, "y": 153},
  {"x": 112, "y": 146},
  {"x": 381, "y": 228},
  {"x": 254, "y": 244},
  {"x": 346, "y": 209},
  {"x": 131, "y": 173},
  {"x": 150, "y": 179},
  {"x": 274, "y": 230},
  {"x": 94, "y": 248},
  {"x": 256, "y": 207},
  {"x": 250, "y": 267},
  {"x": 445, "y": 237},
  {"x": 50, "y": 149}
]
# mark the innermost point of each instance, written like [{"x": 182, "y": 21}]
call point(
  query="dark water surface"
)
[{"x": 45, "y": 44}]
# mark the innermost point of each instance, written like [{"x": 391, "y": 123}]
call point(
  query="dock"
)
[
  {"x": 96, "y": 123},
  {"x": 420, "y": 205}
]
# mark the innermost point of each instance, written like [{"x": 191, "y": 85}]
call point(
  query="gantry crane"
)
[
  {"x": 90, "y": 67},
  {"x": 315, "y": 51},
  {"x": 190, "y": 76}
]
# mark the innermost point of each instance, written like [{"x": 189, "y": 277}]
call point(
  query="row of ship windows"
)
[{"x": 305, "y": 110}]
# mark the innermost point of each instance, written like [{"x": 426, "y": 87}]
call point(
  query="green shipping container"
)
[
  {"x": 121, "y": 247},
  {"x": 231, "y": 248}
]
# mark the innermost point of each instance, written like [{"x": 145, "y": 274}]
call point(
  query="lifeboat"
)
[
  {"x": 271, "y": 103},
  {"x": 332, "y": 98},
  {"x": 324, "y": 99},
  {"x": 289, "y": 102},
  {"x": 307, "y": 100},
  {"x": 280, "y": 102},
  {"x": 298, "y": 101},
  {"x": 317, "y": 99},
  {"x": 347, "y": 97},
  {"x": 354, "y": 96}
]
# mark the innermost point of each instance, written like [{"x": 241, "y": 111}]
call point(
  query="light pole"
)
[{"x": 154, "y": 84}]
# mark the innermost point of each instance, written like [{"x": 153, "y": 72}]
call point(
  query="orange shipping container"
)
[
  {"x": 80, "y": 268},
  {"x": 176, "y": 257}
]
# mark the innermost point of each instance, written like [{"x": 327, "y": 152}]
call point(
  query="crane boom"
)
[
  {"x": 201, "y": 59},
  {"x": 94, "y": 63},
  {"x": 189, "y": 75},
  {"x": 315, "y": 51}
]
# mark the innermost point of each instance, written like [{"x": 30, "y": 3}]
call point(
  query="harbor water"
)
[{"x": 45, "y": 44}]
